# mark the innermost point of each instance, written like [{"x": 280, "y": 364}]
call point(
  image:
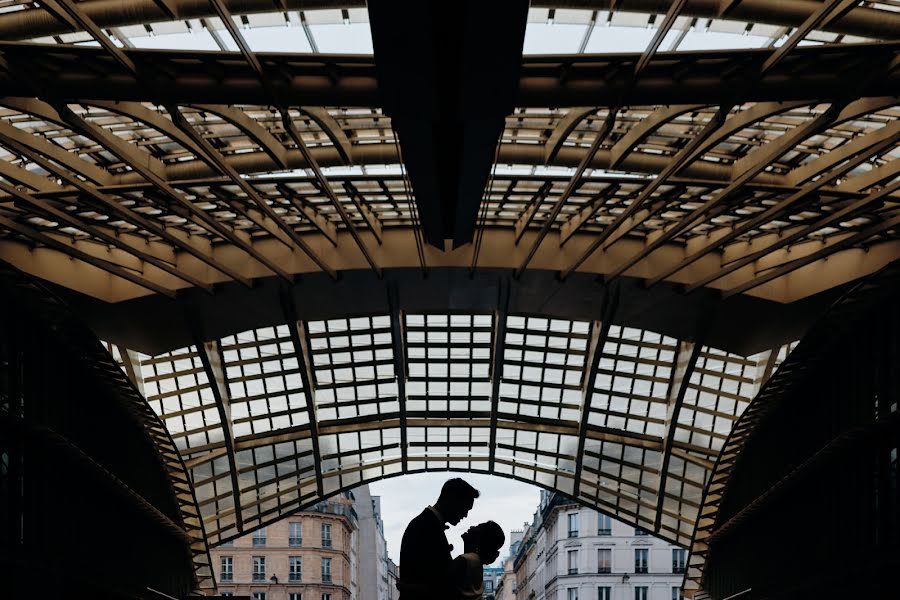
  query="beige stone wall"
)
[{"x": 278, "y": 552}]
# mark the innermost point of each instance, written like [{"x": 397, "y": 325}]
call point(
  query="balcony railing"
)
[
  {"x": 640, "y": 568},
  {"x": 259, "y": 541},
  {"x": 326, "y": 542},
  {"x": 333, "y": 508},
  {"x": 259, "y": 577},
  {"x": 295, "y": 541},
  {"x": 678, "y": 568},
  {"x": 294, "y": 577},
  {"x": 602, "y": 569},
  {"x": 604, "y": 531},
  {"x": 326, "y": 578},
  {"x": 226, "y": 577},
  {"x": 573, "y": 570}
]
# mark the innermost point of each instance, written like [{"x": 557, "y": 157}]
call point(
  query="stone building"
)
[
  {"x": 570, "y": 552},
  {"x": 309, "y": 555}
]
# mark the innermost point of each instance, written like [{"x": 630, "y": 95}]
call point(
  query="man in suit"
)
[{"x": 424, "y": 552}]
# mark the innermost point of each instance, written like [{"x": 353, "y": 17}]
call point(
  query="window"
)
[
  {"x": 679, "y": 560},
  {"x": 639, "y": 531},
  {"x": 641, "y": 560},
  {"x": 295, "y": 596},
  {"x": 259, "y": 568},
  {"x": 604, "y": 560},
  {"x": 573, "y": 562},
  {"x": 326, "y": 535},
  {"x": 604, "y": 593},
  {"x": 259, "y": 596},
  {"x": 640, "y": 592},
  {"x": 489, "y": 586},
  {"x": 295, "y": 535},
  {"x": 572, "y": 594},
  {"x": 296, "y": 568},
  {"x": 226, "y": 572},
  {"x": 604, "y": 524},
  {"x": 573, "y": 525},
  {"x": 259, "y": 537},
  {"x": 326, "y": 570},
  {"x": 229, "y": 594},
  {"x": 676, "y": 594},
  {"x": 326, "y": 596}
]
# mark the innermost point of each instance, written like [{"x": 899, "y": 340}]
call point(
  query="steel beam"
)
[
  {"x": 600, "y": 137},
  {"x": 226, "y": 169},
  {"x": 564, "y": 128},
  {"x": 70, "y": 219},
  {"x": 783, "y": 206},
  {"x": 767, "y": 155},
  {"x": 116, "y": 208},
  {"x": 329, "y": 125},
  {"x": 829, "y": 249},
  {"x": 866, "y": 22},
  {"x": 213, "y": 366},
  {"x": 637, "y": 134},
  {"x": 70, "y": 13},
  {"x": 184, "y": 77},
  {"x": 299, "y": 340},
  {"x": 683, "y": 367},
  {"x": 497, "y": 354},
  {"x": 252, "y": 129},
  {"x": 90, "y": 259},
  {"x": 599, "y": 335},
  {"x": 398, "y": 338},
  {"x": 325, "y": 185},
  {"x": 795, "y": 236}
]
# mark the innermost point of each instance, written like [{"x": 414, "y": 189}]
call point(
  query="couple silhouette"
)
[{"x": 427, "y": 568}]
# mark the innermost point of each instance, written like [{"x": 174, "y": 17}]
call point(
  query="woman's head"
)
[{"x": 486, "y": 539}]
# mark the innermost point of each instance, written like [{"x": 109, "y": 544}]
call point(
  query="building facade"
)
[
  {"x": 375, "y": 581},
  {"x": 310, "y": 555},
  {"x": 570, "y": 552}
]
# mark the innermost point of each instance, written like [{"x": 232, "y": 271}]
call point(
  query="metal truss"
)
[
  {"x": 179, "y": 208},
  {"x": 770, "y": 173}
]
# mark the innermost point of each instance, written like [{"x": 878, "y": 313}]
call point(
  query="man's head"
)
[{"x": 456, "y": 500}]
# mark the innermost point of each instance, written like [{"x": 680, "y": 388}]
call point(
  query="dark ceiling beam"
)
[
  {"x": 24, "y": 24},
  {"x": 465, "y": 59},
  {"x": 69, "y": 218},
  {"x": 766, "y": 156},
  {"x": 855, "y": 239},
  {"x": 801, "y": 233},
  {"x": 77, "y": 253},
  {"x": 219, "y": 162},
  {"x": 115, "y": 208},
  {"x": 782, "y": 207},
  {"x": 276, "y": 147},
  {"x": 82, "y": 73}
]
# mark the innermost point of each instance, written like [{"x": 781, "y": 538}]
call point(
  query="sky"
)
[{"x": 509, "y": 503}]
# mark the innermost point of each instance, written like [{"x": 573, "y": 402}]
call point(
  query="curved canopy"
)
[{"x": 626, "y": 420}]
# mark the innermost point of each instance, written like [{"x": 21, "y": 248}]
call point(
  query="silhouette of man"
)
[{"x": 425, "y": 559}]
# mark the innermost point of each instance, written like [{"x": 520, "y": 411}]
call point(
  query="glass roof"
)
[{"x": 238, "y": 410}]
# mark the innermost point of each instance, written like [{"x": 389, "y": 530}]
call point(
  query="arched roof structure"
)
[{"x": 277, "y": 245}]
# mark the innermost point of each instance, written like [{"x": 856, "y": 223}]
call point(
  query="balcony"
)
[
  {"x": 326, "y": 577},
  {"x": 333, "y": 508},
  {"x": 259, "y": 577},
  {"x": 295, "y": 541},
  {"x": 604, "y": 570},
  {"x": 640, "y": 568},
  {"x": 604, "y": 531},
  {"x": 226, "y": 577},
  {"x": 294, "y": 577},
  {"x": 573, "y": 533},
  {"x": 678, "y": 568},
  {"x": 326, "y": 542},
  {"x": 573, "y": 570},
  {"x": 259, "y": 541}
]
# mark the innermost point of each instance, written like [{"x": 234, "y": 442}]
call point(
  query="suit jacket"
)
[{"x": 425, "y": 560}]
